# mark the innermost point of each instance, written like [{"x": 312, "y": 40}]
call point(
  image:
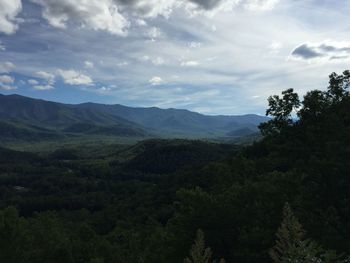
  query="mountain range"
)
[{"x": 32, "y": 119}]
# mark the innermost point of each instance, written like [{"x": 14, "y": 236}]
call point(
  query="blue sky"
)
[{"x": 214, "y": 57}]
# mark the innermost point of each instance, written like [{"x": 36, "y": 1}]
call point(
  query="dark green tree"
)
[
  {"x": 338, "y": 85},
  {"x": 280, "y": 108},
  {"x": 12, "y": 235},
  {"x": 199, "y": 253},
  {"x": 290, "y": 244},
  {"x": 314, "y": 104},
  {"x": 292, "y": 247}
]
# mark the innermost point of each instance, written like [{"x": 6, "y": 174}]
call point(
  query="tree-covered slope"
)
[
  {"x": 51, "y": 113},
  {"x": 58, "y": 120},
  {"x": 168, "y": 156},
  {"x": 19, "y": 131}
]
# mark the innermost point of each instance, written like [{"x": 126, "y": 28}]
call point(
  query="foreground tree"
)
[
  {"x": 292, "y": 247},
  {"x": 314, "y": 104},
  {"x": 290, "y": 244},
  {"x": 199, "y": 253},
  {"x": 338, "y": 85},
  {"x": 281, "y": 110}
]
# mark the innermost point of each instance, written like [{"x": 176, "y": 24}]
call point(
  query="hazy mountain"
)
[
  {"x": 25, "y": 116},
  {"x": 53, "y": 114},
  {"x": 30, "y": 118},
  {"x": 177, "y": 121}
]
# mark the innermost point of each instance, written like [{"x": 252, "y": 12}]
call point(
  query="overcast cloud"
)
[{"x": 216, "y": 57}]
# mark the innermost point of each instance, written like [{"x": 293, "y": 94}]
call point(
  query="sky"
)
[{"x": 209, "y": 56}]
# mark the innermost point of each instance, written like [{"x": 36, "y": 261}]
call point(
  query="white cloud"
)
[
  {"x": 88, "y": 64},
  {"x": 190, "y": 63},
  {"x": 104, "y": 89},
  {"x": 158, "y": 61},
  {"x": 6, "y": 79},
  {"x": 261, "y": 5},
  {"x": 94, "y": 14},
  {"x": 155, "y": 8},
  {"x": 9, "y": 9},
  {"x": 141, "y": 22},
  {"x": 6, "y": 67},
  {"x": 73, "y": 77},
  {"x": 194, "y": 44},
  {"x": 151, "y": 8},
  {"x": 275, "y": 47},
  {"x": 145, "y": 58},
  {"x": 113, "y": 15},
  {"x": 156, "y": 81},
  {"x": 49, "y": 77},
  {"x": 33, "y": 82},
  {"x": 43, "y": 87},
  {"x": 6, "y": 82},
  {"x": 47, "y": 83},
  {"x": 154, "y": 32},
  {"x": 122, "y": 64}
]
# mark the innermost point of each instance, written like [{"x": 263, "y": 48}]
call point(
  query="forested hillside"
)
[{"x": 167, "y": 201}]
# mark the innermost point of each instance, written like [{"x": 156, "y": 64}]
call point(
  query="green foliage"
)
[
  {"x": 12, "y": 233},
  {"x": 338, "y": 85},
  {"x": 199, "y": 253},
  {"x": 167, "y": 156},
  {"x": 290, "y": 244},
  {"x": 280, "y": 109}
]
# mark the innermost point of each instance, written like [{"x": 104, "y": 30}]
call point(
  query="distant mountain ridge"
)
[
  {"x": 179, "y": 120},
  {"x": 28, "y": 116}
]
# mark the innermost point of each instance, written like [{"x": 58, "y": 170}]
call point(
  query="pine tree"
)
[
  {"x": 199, "y": 253},
  {"x": 290, "y": 244}
]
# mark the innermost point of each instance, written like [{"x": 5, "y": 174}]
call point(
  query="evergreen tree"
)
[
  {"x": 290, "y": 244},
  {"x": 199, "y": 253}
]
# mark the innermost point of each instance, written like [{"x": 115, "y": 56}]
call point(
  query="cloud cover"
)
[
  {"x": 6, "y": 67},
  {"x": 94, "y": 14},
  {"x": 6, "y": 79},
  {"x": 73, "y": 77},
  {"x": 115, "y": 16},
  {"x": 6, "y": 82},
  {"x": 223, "y": 57},
  {"x": 9, "y": 9}
]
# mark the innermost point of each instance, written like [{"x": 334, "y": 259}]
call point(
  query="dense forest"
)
[{"x": 284, "y": 198}]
